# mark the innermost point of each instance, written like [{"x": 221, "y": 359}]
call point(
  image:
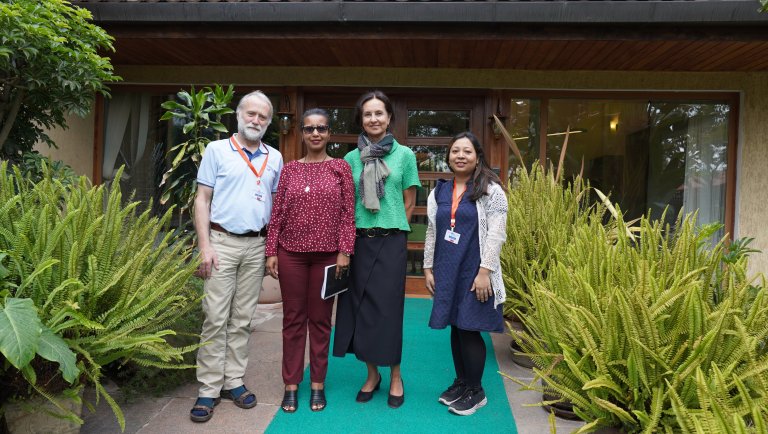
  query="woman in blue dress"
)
[{"x": 466, "y": 229}]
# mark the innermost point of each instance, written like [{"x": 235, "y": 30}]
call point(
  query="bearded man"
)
[{"x": 235, "y": 182}]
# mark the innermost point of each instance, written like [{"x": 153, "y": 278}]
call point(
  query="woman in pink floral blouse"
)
[{"x": 312, "y": 226}]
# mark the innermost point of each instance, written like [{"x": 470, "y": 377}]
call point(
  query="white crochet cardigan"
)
[{"x": 492, "y": 223}]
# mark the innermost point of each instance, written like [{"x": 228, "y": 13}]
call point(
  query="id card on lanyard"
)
[
  {"x": 450, "y": 234},
  {"x": 258, "y": 193}
]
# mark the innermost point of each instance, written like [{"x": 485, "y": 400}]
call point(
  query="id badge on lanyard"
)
[
  {"x": 450, "y": 234},
  {"x": 258, "y": 192}
]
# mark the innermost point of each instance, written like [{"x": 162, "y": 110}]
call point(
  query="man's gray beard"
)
[{"x": 248, "y": 133}]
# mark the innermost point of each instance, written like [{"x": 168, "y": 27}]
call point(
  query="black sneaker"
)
[
  {"x": 472, "y": 399},
  {"x": 453, "y": 393}
]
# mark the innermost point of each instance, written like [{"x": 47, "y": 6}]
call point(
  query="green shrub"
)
[
  {"x": 34, "y": 166},
  {"x": 542, "y": 214},
  {"x": 652, "y": 331},
  {"x": 137, "y": 381},
  {"x": 107, "y": 280}
]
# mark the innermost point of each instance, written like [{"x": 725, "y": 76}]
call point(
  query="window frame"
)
[{"x": 724, "y": 97}]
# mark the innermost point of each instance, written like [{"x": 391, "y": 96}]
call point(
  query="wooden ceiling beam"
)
[{"x": 511, "y": 54}]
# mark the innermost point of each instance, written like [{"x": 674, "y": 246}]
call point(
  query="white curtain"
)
[
  {"x": 705, "y": 165},
  {"x": 125, "y": 138}
]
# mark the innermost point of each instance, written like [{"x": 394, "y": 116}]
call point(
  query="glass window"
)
[
  {"x": 423, "y": 193},
  {"x": 339, "y": 150},
  {"x": 524, "y": 126},
  {"x": 133, "y": 138},
  {"x": 342, "y": 120},
  {"x": 437, "y": 123},
  {"x": 431, "y": 158},
  {"x": 415, "y": 266},
  {"x": 429, "y": 132},
  {"x": 648, "y": 155}
]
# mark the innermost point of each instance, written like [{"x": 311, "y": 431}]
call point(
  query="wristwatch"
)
[{"x": 345, "y": 254}]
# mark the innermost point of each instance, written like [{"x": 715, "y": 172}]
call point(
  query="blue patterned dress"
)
[{"x": 455, "y": 267}]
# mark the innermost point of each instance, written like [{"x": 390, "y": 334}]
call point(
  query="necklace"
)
[
  {"x": 306, "y": 160},
  {"x": 304, "y": 178}
]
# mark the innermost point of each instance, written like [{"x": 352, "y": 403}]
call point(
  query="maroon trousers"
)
[{"x": 301, "y": 277}]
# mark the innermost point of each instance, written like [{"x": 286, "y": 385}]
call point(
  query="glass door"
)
[
  {"x": 428, "y": 126},
  {"x": 425, "y": 123}
]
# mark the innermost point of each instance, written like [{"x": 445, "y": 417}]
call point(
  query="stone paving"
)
[{"x": 170, "y": 414}]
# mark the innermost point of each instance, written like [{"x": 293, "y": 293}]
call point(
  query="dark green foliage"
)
[
  {"x": 107, "y": 279},
  {"x": 34, "y": 166},
  {"x": 49, "y": 68},
  {"x": 200, "y": 115},
  {"x": 137, "y": 381}
]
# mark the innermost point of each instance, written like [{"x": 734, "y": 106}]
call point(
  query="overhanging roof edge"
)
[{"x": 733, "y": 12}]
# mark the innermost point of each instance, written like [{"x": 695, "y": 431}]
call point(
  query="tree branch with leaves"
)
[{"x": 49, "y": 68}]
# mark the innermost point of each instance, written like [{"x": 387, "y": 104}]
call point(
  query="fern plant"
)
[
  {"x": 542, "y": 213},
  {"x": 628, "y": 328},
  {"x": 103, "y": 277},
  {"x": 543, "y": 209}
]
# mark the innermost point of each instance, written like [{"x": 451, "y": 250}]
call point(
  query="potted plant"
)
[
  {"x": 543, "y": 209},
  {"x": 626, "y": 327},
  {"x": 86, "y": 280}
]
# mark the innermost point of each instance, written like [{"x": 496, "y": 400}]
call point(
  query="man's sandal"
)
[
  {"x": 240, "y": 396},
  {"x": 202, "y": 411},
  {"x": 317, "y": 400},
  {"x": 290, "y": 401}
]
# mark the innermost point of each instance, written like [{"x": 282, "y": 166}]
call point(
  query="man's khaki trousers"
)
[{"x": 231, "y": 295}]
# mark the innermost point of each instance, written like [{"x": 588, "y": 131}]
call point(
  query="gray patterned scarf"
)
[{"x": 375, "y": 170}]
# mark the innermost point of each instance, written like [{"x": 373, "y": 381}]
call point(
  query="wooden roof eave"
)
[{"x": 732, "y": 12}]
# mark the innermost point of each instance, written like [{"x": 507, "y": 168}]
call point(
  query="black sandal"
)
[
  {"x": 202, "y": 413},
  {"x": 290, "y": 401},
  {"x": 317, "y": 398},
  {"x": 241, "y": 400}
]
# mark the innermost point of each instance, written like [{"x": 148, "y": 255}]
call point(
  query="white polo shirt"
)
[{"x": 240, "y": 204}]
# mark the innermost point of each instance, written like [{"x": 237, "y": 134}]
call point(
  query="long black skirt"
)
[{"x": 369, "y": 316}]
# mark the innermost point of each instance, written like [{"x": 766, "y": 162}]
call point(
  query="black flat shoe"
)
[
  {"x": 290, "y": 401},
  {"x": 396, "y": 401},
  {"x": 317, "y": 398},
  {"x": 366, "y": 396}
]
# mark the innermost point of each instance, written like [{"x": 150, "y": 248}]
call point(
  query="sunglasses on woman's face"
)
[{"x": 309, "y": 129}]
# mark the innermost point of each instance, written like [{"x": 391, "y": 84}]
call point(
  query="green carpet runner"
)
[{"x": 427, "y": 371}]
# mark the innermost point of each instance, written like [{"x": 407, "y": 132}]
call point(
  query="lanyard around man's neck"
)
[{"x": 247, "y": 160}]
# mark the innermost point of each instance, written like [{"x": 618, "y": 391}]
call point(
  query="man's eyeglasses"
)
[{"x": 308, "y": 129}]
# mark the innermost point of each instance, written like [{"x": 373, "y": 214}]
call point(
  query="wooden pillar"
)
[
  {"x": 497, "y": 103},
  {"x": 292, "y": 102}
]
